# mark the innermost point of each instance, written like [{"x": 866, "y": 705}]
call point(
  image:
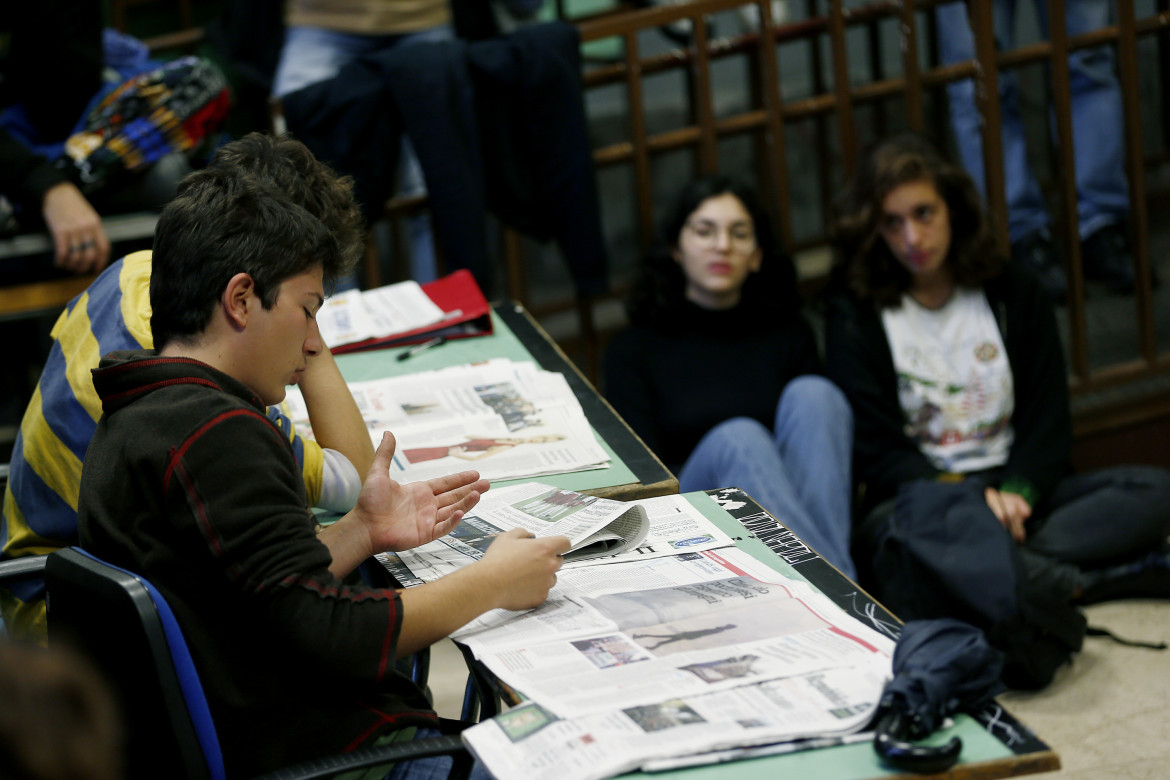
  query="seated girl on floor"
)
[
  {"x": 719, "y": 372},
  {"x": 953, "y": 365}
]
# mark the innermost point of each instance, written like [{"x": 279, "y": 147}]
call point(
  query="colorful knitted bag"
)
[{"x": 172, "y": 108}]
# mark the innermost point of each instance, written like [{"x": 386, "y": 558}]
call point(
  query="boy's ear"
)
[{"x": 238, "y": 299}]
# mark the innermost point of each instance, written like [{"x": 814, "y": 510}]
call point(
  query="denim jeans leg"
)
[
  {"x": 1027, "y": 212},
  {"x": 1098, "y": 143},
  {"x": 814, "y": 436},
  {"x": 741, "y": 453}
]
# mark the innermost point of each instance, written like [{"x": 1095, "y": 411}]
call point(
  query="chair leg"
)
[
  {"x": 480, "y": 700},
  {"x": 470, "y": 701}
]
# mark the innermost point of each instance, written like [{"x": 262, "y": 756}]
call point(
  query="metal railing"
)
[{"x": 831, "y": 31}]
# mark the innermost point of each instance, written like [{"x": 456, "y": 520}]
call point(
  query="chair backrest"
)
[
  {"x": 19, "y": 570},
  {"x": 126, "y": 626}
]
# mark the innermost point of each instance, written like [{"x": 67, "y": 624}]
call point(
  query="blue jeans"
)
[
  {"x": 1098, "y": 148},
  {"x": 312, "y": 54},
  {"x": 799, "y": 471}
]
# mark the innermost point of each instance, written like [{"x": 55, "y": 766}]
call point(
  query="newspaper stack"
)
[
  {"x": 503, "y": 418},
  {"x": 684, "y": 650},
  {"x": 659, "y": 663}
]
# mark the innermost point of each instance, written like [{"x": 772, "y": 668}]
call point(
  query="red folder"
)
[{"x": 459, "y": 295}]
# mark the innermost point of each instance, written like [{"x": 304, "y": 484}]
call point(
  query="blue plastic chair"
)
[{"x": 126, "y": 626}]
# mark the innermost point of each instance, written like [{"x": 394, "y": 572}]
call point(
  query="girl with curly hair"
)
[{"x": 952, "y": 362}]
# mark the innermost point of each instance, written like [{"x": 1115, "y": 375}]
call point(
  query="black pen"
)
[{"x": 420, "y": 347}]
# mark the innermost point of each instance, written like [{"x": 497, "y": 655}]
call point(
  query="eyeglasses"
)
[{"x": 739, "y": 235}]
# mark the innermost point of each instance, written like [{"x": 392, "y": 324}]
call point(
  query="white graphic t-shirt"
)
[{"x": 954, "y": 380}]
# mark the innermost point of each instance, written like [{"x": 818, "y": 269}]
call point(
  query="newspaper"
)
[
  {"x": 531, "y": 741},
  {"x": 749, "y": 657},
  {"x": 614, "y": 642},
  {"x": 674, "y": 524},
  {"x": 504, "y": 418},
  {"x": 355, "y": 315},
  {"x": 595, "y": 527}
]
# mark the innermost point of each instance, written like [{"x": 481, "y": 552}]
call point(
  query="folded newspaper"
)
[
  {"x": 675, "y": 526},
  {"x": 596, "y": 527}
]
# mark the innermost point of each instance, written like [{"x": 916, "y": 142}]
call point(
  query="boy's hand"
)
[
  {"x": 399, "y": 517},
  {"x": 523, "y": 569}
]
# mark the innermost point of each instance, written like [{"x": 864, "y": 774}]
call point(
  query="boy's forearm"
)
[{"x": 432, "y": 611}]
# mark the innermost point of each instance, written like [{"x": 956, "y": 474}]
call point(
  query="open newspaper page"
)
[
  {"x": 355, "y": 315},
  {"x": 622, "y": 643},
  {"x": 503, "y": 418},
  {"x": 748, "y": 656},
  {"x": 675, "y": 525}
]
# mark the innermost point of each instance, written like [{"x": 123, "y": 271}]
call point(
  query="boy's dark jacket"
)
[{"x": 188, "y": 484}]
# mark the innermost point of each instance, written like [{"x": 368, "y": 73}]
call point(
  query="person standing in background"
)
[
  {"x": 323, "y": 35},
  {"x": 1098, "y": 145}
]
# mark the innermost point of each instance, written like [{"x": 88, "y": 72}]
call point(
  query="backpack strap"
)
[{"x": 1099, "y": 631}]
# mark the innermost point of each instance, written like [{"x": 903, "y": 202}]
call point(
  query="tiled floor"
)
[{"x": 1107, "y": 714}]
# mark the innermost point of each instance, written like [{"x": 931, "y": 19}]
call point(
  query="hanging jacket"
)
[{"x": 496, "y": 125}]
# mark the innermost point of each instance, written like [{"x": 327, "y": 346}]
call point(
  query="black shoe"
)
[
  {"x": 1147, "y": 578},
  {"x": 1037, "y": 252},
  {"x": 1107, "y": 259}
]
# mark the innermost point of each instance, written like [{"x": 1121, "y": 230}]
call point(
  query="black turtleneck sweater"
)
[{"x": 694, "y": 368}]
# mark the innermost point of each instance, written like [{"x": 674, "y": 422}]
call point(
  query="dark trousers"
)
[{"x": 1090, "y": 521}]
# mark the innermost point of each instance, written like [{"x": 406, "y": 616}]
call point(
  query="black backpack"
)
[{"x": 942, "y": 553}]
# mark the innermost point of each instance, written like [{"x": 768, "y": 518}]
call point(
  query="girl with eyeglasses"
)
[{"x": 719, "y": 372}]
